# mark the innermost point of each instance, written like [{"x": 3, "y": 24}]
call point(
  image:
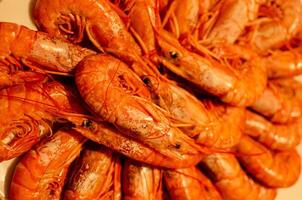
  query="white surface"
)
[{"x": 18, "y": 11}]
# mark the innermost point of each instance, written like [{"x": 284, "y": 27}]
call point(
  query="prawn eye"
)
[
  {"x": 177, "y": 146},
  {"x": 87, "y": 123},
  {"x": 173, "y": 54},
  {"x": 146, "y": 80}
]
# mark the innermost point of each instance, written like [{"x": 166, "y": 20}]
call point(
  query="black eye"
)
[
  {"x": 87, "y": 123},
  {"x": 146, "y": 80},
  {"x": 177, "y": 146},
  {"x": 173, "y": 54}
]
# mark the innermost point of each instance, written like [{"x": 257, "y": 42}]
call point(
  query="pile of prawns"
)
[{"x": 152, "y": 99}]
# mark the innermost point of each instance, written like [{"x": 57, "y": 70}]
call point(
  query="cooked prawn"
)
[
  {"x": 231, "y": 181},
  {"x": 273, "y": 169},
  {"x": 189, "y": 184},
  {"x": 278, "y": 104},
  {"x": 281, "y": 21},
  {"x": 233, "y": 84},
  {"x": 96, "y": 174},
  {"x": 282, "y": 64},
  {"x": 273, "y": 136},
  {"x": 141, "y": 182},
  {"x": 103, "y": 26},
  {"x": 28, "y": 113},
  {"x": 36, "y": 50},
  {"x": 41, "y": 172}
]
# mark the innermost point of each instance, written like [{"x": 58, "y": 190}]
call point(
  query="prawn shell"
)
[
  {"x": 96, "y": 174},
  {"x": 141, "y": 181},
  {"x": 41, "y": 173}
]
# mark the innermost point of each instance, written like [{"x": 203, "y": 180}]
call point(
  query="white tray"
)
[{"x": 18, "y": 11}]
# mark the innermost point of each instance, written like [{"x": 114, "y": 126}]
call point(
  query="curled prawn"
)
[
  {"x": 210, "y": 123},
  {"x": 41, "y": 172},
  {"x": 273, "y": 169},
  {"x": 274, "y": 31},
  {"x": 103, "y": 26},
  {"x": 37, "y": 50},
  {"x": 273, "y": 136},
  {"x": 282, "y": 64},
  {"x": 141, "y": 182},
  {"x": 233, "y": 16},
  {"x": 278, "y": 104},
  {"x": 117, "y": 95},
  {"x": 10, "y": 77},
  {"x": 96, "y": 174},
  {"x": 28, "y": 113},
  {"x": 189, "y": 184},
  {"x": 138, "y": 11},
  {"x": 231, "y": 181},
  {"x": 210, "y": 20},
  {"x": 290, "y": 87},
  {"x": 112, "y": 138},
  {"x": 233, "y": 84},
  {"x": 227, "y": 125},
  {"x": 182, "y": 17}
]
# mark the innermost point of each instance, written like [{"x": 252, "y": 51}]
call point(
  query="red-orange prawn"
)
[
  {"x": 279, "y": 21},
  {"x": 282, "y": 64},
  {"x": 37, "y": 50},
  {"x": 273, "y": 169},
  {"x": 28, "y": 112},
  {"x": 141, "y": 182},
  {"x": 41, "y": 172},
  {"x": 233, "y": 16},
  {"x": 96, "y": 174},
  {"x": 278, "y": 103},
  {"x": 210, "y": 123},
  {"x": 233, "y": 82},
  {"x": 231, "y": 181},
  {"x": 9, "y": 77},
  {"x": 273, "y": 136},
  {"x": 103, "y": 26},
  {"x": 189, "y": 184},
  {"x": 112, "y": 138}
]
